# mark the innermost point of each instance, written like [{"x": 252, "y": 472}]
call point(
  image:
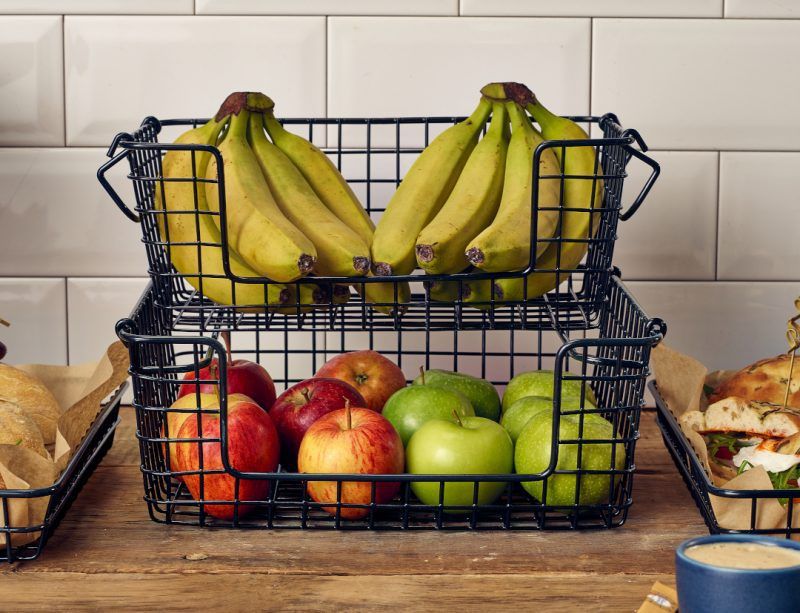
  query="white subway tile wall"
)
[{"x": 712, "y": 86}]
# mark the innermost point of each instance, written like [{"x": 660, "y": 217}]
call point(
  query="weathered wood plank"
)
[{"x": 466, "y": 592}]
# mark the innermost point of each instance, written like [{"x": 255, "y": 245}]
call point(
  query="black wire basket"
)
[
  {"x": 373, "y": 154},
  {"x": 609, "y": 359},
  {"x": 59, "y": 496},
  {"x": 758, "y": 507}
]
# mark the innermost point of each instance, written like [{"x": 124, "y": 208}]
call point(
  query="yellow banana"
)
[
  {"x": 581, "y": 195},
  {"x": 506, "y": 244},
  {"x": 422, "y": 193},
  {"x": 257, "y": 229},
  {"x": 471, "y": 205},
  {"x": 382, "y": 296},
  {"x": 478, "y": 294},
  {"x": 194, "y": 239},
  {"x": 324, "y": 178},
  {"x": 341, "y": 252},
  {"x": 443, "y": 291}
]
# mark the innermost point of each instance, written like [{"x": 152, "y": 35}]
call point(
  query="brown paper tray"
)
[
  {"x": 726, "y": 510},
  {"x": 61, "y": 494}
]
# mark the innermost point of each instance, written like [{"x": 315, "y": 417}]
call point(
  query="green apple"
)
[
  {"x": 475, "y": 446},
  {"x": 540, "y": 383},
  {"x": 407, "y": 409},
  {"x": 532, "y": 455},
  {"x": 525, "y": 409},
  {"x": 481, "y": 394}
]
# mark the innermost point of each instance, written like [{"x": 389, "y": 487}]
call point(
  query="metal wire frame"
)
[
  {"x": 701, "y": 488},
  {"x": 570, "y": 307},
  {"x": 60, "y": 495},
  {"x": 611, "y": 359}
]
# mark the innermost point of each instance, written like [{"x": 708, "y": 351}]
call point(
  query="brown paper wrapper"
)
[
  {"x": 80, "y": 391},
  {"x": 681, "y": 382}
]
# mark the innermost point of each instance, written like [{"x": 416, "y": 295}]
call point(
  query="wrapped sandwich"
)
[{"x": 741, "y": 434}]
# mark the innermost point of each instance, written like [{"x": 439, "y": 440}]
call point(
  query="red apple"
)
[
  {"x": 253, "y": 446},
  {"x": 351, "y": 440},
  {"x": 180, "y": 410},
  {"x": 375, "y": 376},
  {"x": 243, "y": 377},
  {"x": 304, "y": 403}
]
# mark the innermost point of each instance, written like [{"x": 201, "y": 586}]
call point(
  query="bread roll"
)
[
  {"x": 32, "y": 397},
  {"x": 739, "y": 415},
  {"x": 764, "y": 381},
  {"x": 16, "y": 428}
]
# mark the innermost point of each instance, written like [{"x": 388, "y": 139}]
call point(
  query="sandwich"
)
[
  {"x": 742, "y": 434},
  {"x": 765, "y": 381}
]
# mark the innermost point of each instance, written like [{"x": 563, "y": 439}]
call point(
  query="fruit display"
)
[
  {"x": 352, "y": 440},
  {"x": 465, "y": 202},
  {"x": 357, "y": 415}
]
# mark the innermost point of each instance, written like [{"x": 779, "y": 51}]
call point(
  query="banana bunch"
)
[
  {"x": 289, "y": 214},
  {"x": 466, "y": 201}
]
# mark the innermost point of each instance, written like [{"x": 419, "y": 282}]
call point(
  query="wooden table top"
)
[{"x": 107, "y": 553}]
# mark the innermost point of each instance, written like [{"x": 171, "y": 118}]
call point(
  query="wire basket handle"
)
[
  {"x": 116, "y": 159},
  {"x": 639, "y": 155}
]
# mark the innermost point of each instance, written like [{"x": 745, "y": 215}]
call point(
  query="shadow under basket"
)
[
  {"x": 59, "y": 496},
  {"x": 608, "y": 358},
  {"x": 757, "y": 513}
]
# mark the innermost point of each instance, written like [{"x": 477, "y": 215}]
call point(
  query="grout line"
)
[
  {"x": 591, "y": 62},
  {"x": 460, "y": 7},
  {"x": 66, "y": 316},
  {"x": 64, "y": 74},
  {"x": 719, "y": 198}
]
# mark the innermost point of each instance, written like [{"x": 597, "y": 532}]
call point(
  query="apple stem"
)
[
  {"x": 4, "y": 322},
  {"x": 348, "y": 414},
  {"x": 226, "y": 338},
  {"x": 422, "y": 374},
  {"x": 213, "y": 370},
  {"x": 458, "y": 419}
]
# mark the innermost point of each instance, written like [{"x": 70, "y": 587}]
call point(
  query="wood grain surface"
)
[{"x": 107, "y": 553}]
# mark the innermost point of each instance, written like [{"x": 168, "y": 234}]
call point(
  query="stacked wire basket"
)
[{"x": 590, "y": 330}]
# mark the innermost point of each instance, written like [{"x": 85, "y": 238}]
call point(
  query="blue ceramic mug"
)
[{"x": 703, "y": 588}]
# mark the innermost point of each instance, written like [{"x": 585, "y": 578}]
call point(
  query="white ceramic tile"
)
[
  {"x": 121, "y": 69},
  {"x": 759, "y": 216},
  {"x": 98, "y": 7},
  {"x": 58, "y": 220},
  {"x": 37, "y": 311},
  {"x": 762, "y": 8},
  {"x": 724, "y": 325},
  {"x": 95, "y": 306},
  {"x": 592, "y": 8},
  {"x": 700, "y": 84},
  {"x": 31, "y": 81},
  {"x": 674, "y": 233},
  {"x": 326, "y": 7},
  {"x": 416, "y": 67}
]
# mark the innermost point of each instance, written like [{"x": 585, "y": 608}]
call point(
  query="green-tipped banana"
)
[
  {"x": 582, "y": 194},
  {"x": 184, "y": 231},
  {"x": 326, "y": 180},
  {"x": 257, "y": 229},
  {"x": 443, "y": 291},
  {"x": 422, "y": 193},
  {"x": 341, "y": 252},
  {"x": 382, "y": 296},
  {"x": 506, "y": 244},
  {"x": 471, "y": 205}
]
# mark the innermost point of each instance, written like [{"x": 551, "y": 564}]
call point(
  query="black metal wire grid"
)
[
  {"x": 373, "y": 155},
  {"x": 59, "y": 496},
  {"x": 610, "y": 359},
  {"x": 702, "y": 489}
]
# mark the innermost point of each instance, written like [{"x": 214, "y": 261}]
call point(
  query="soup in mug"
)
[{"x": 752, "y": 556}]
